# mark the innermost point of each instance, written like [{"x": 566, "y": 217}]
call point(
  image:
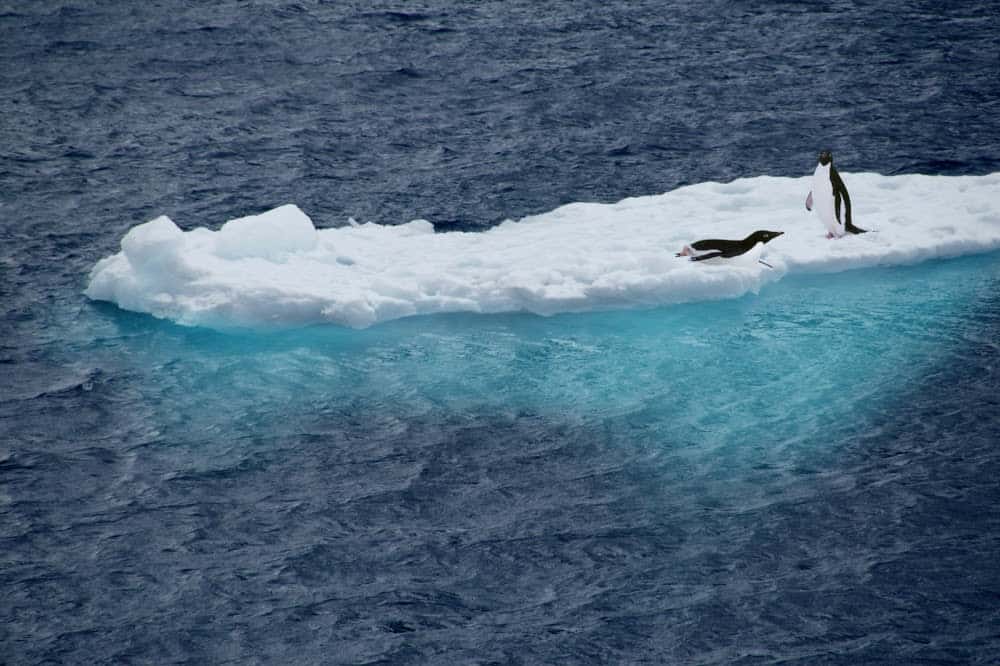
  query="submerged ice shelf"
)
[{"x": 278, "y": 269}]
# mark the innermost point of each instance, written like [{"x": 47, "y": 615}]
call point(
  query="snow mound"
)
[{"x": 276, "y": 268}]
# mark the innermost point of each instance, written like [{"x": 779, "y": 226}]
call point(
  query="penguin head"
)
[
  {"x": 763, "y": 236},
  {"x": 825, "y": 157}
]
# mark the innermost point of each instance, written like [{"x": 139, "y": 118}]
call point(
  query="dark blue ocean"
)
[{"x": 808, "y": 475}]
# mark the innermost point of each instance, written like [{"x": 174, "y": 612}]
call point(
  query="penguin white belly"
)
[
  {"x": 750, "y": 257},
  {"x": 822, "y": 192}
]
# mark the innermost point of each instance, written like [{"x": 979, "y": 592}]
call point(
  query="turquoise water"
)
[
  {"x": 773, "y": 381},
  {"x": 810, "y": 355},
  {"x": 798, "y": 474}
]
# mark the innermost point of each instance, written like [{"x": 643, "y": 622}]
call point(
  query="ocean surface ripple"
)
[{"x": 803, "y": 475}]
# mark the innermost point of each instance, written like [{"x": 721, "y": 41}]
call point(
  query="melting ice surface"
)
[{"x": 276, "y": 268}]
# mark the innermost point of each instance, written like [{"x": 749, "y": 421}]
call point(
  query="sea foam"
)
[{"x": 276, "y": 268}]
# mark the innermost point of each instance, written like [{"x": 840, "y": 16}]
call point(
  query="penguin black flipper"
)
[
  {"x": 728, "y": 247},
  {"x": 840, "y": 192},
  {"x": 708, "y": 255}
]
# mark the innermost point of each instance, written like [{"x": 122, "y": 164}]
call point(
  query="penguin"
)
[
  {"x": 828, "y": 191},
  {"x": 714, "y": 248}
]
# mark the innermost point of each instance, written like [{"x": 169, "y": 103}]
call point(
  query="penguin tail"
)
[{"x": 850, "y": 228}]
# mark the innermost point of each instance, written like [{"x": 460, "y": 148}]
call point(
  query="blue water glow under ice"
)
[{"x": 794, "y": 475}]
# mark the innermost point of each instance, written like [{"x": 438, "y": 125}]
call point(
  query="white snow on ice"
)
[{"x": 276, "y": 268}]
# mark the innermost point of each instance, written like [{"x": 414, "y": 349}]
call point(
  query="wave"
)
[{"x": 277, "y": 269}]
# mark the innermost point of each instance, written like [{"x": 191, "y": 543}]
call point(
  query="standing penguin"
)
[{"x": 828, "y": 190}]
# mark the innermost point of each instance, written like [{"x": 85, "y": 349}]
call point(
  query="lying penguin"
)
[
  {"x": 828, "y": 191},
  {"x": 714, "y": 248}
]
